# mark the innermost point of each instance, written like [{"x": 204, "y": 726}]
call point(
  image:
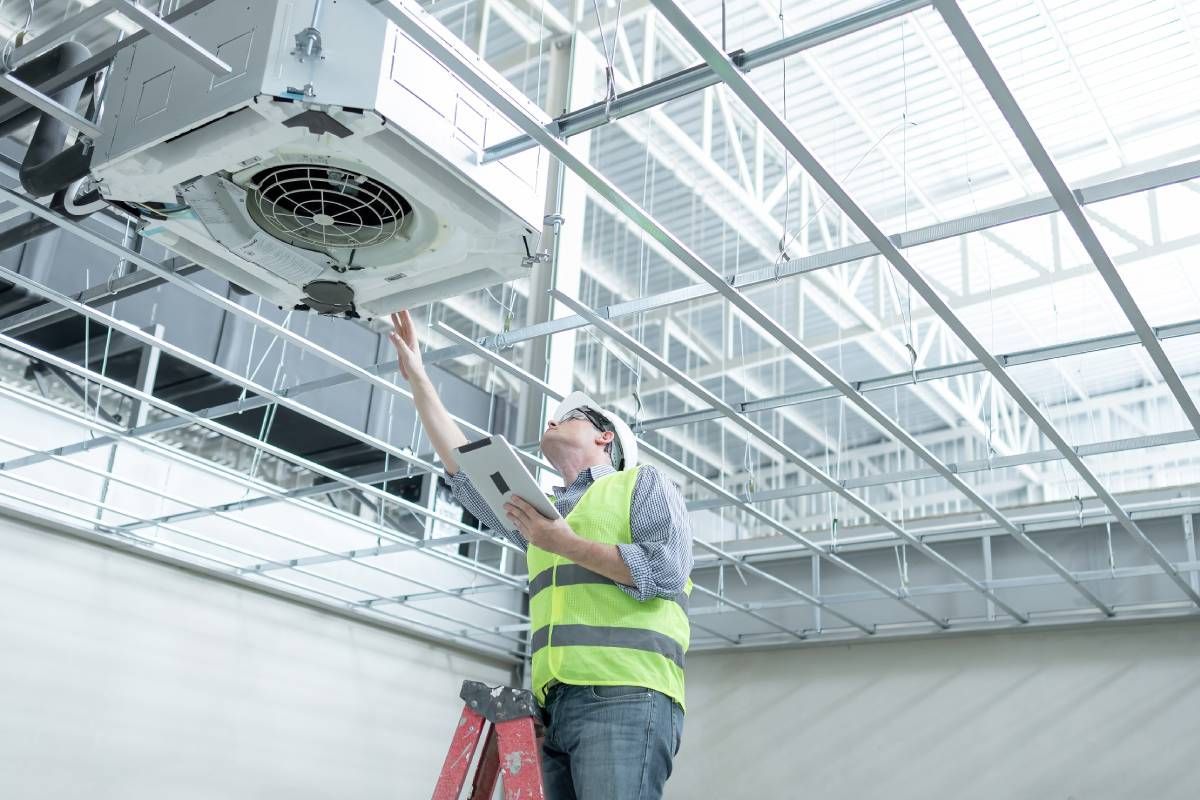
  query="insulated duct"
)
[{"x": 48, "y": 168}]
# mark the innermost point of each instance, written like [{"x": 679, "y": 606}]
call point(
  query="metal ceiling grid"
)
[{"x": 699, "y": 483}]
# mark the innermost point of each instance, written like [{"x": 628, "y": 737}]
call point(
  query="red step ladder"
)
[{"x": 511, "y": 747}]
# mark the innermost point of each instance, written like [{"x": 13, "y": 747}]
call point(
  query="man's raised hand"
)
[{"x": 408, "y": 348}]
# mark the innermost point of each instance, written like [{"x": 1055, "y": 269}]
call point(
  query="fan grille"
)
[{"x": 326, "y": 207}]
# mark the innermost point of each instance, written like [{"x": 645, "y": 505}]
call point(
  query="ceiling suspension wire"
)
[
  {"x": 649, "y": 187},
  {"x": 912, "y": 351},
  {"x": 387, "y": 456},
  {"x": 17, "y": 38},
  {"x": 724, "y": 42},
  {"x": 87, "y": 338},
  {"x": 787, "y": 157},
  {"x": 610, "y": 75},
  {"x": 988, "y": 383}
]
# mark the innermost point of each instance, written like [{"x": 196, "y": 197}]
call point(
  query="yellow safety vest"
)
[{"x": 587, "y": 631}]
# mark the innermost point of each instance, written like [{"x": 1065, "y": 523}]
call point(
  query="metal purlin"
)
[
  {"x": 1068, "y": 203},
  {"x": 91, "y": 524},
  {"x": 701, "y": 76},
  {"x": 722, "y": 555},
  {"x": 103, "y": 505},
  {"x": 336, "y": 516},
  {"x": 339, "y": 517},
  {"x": 949, "y": 229},
  {"x": 450, "y": 53},
  {"x": 964, "y": 467},
  {"x": 784, "y": 133},
  {"x": 193, "y": 418},
  {"x": 896, "y": 379},
  {"x": 256, "y": 567}
]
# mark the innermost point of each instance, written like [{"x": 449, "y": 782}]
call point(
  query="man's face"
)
[{"x": 575, "y": 434}]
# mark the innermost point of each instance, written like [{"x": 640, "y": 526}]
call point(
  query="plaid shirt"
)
[{"x": 659, "y": 557}]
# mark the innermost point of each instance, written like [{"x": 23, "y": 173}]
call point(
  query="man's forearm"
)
[
  {"x": 602, "y": 558},
  {"x": 441, "y": 429}
]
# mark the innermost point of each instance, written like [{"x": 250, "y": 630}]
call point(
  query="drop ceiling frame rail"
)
[
  {"x": 184, "y": 417},
  {"x": 781, "y": 130}
]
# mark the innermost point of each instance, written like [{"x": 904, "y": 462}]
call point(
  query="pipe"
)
[
  {"x": 34, "y": 72},
  {"x": 47, "y": 168},
  {"x": 15, "y": 105},
  {"x": 25, "y": 232}
]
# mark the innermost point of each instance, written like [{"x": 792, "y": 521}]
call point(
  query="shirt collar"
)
[{"x": 586, "y": 477}]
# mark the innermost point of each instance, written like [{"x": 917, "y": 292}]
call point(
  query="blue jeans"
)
[{"x": 608, "y": 742}]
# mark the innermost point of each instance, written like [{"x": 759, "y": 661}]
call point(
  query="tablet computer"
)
[{"x": 496, "y": 470}]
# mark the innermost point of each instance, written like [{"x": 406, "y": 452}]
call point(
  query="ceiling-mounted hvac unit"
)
[{"x": 337, "y": 167}]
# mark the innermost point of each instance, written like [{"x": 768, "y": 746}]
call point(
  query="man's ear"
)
[{"x": 604, "y": 438}]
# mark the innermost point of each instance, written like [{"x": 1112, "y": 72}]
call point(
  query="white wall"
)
[
  {"x": 124, "y": 678},
  {"x": 1085, "y": 714}
]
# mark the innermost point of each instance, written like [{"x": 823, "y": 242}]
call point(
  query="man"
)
[{"x": 608, "y": 589}]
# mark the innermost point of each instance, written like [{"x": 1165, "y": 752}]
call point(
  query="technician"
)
[{"x": 608, "y": 593}]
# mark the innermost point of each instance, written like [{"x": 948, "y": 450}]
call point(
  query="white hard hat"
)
[{"x": 625, "y": 441}]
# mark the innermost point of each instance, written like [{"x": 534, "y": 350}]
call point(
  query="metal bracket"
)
[{"x": 308, "y": 45}]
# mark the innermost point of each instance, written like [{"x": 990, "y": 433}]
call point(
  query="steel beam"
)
[
  {"x": 170, "y": 35},
  {"x": 974, "y": 223},
  {"x": 94, "y": 64},
  {"x": 935, "y": 590},
  {"x": 56, "y": 33},
  {"x": 1067, "y": 202},
  {"x": 734, "y": 78},
  {"x": 897, "y": 379},
  {"x": 47, "y": 105},
  {"x": 1030, "y": 209},
  {"x": 970, "y": 530},
  {"x": 966, "y": 467},
  {"x": 327, "y": 556},
  {"x": 275, "y": 495},
  {"x": 701, "y": 76}
]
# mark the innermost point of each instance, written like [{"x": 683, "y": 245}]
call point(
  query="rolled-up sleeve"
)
[
  {"x": 660, "y": 556},
  {"x": 469, "y": 498}
]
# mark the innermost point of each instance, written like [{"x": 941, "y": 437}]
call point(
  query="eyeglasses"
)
[
  {"x": 588, "y": 415},
  {"x": 600, "y": 423}
]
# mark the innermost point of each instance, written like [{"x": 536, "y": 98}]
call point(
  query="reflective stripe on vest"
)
[
  {"x": 589, "y": 635},
  {"x": 575, "y": 575}
]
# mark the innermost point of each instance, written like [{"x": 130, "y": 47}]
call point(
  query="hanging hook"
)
[
  {"x": 912, "y": 353},
  {"x": 1112, "y": 561}
]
